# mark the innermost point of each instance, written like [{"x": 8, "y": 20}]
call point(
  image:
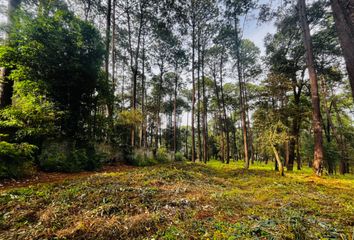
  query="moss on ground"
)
[{"x": 183, "y": 201}]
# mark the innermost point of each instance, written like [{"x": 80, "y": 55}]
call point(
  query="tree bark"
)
[
  {"x": 175, "y": 114},
  {"x": 242, "y": 105},
  {"x": 225, "y": 124},
  {"x": 158, "y": 119},
  {"x": 205, "y": 116},
  {"x": 134, "y": 61},
  {"x": 316, "y": 111},
  {"x": 250, "y": 133},
  {"x": 108, "y": 36},
  {"x": 199, "y": 153},
  {"x": 295, "y": 129},
  {"x": 143, "y": 123},
  {"x": 216, "y": 89},
  {"x": 187, "y": 154},
  {"x": 193, "y": 84},
  {"x": 279, "y": 164},
  {"x": 113, "y": 57},
  {"x": 343, "y": 13}
]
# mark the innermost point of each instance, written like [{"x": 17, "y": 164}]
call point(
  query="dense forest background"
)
[{"x": 88, "y": 82}]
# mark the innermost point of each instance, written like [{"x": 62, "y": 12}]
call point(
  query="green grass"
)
[{"x": 183, "y": 201}]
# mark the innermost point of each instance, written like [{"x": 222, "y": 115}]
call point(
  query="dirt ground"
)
[{"x": 49, "y": 177}]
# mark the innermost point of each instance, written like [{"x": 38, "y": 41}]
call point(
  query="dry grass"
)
[{"x": 183, "y": 201}]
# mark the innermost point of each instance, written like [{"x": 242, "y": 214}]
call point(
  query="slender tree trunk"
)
[
  {"x": 242, "y": 105},
  {"x": 136, "y": 64},
  {"x": 218, "y": 102},
  {"x": 225, "y": 125},
  {"x": 187, "y": 154},
  {"x": 158, "y": 119},
  {"x": 175, "y": 114},
  {"x": 123, "y": 83},
  {"x": 250, "y": 134},
  {"x": 234, "y": 146},
  {"x": 343, "y": 13},
  {"x": 205, "y": 117},
  {"x": 113, "y": 46},
  {"x": 295, "y": 131},
  {"x": 108, "y": 37},
  {"x": 298, "y": 157},
  {"x": 193, "y": 87},
  {"x": 343, "y": 165},
  {"x": 143, "y": 123},
  {"x": 329, "y": 126},
  {"x": 279, "y": 164},
  {"x": 198, "y": 98},
  {"x": 316, "y": 111}
]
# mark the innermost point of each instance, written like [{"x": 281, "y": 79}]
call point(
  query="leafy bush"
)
[
  {"x": 179, "y": 157},
  {"x": 110, "y": 153},
  {"x": 142, "y": 157},
  {"x": 68, "y": 157},
  {"x": 16, "y": 159},
  {"x": 162, "y": 155}
]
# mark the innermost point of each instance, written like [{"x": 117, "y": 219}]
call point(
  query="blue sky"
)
[{"x": 256, "y": 32}]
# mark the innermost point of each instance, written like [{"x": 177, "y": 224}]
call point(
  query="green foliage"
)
[
  {"x": 31, "y": 114},
  {"x": 271, "y": 131},
  {"x": 15, "y": 159},
  {"x": 162, "y": 156},
  {"x": 59, "y": 56},
  {"x": 68, "y": 156},
  {"x": 179, "y": 157},
  {"x": 132, "y": 118},
  {"x": 142, "y": 157},
  {"x": 53, "y": 59}
]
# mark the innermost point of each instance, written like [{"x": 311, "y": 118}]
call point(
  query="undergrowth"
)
[{"x": 183, "y": 201}]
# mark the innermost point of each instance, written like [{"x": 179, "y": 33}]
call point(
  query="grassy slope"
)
[{"x": 183, "y": 201}]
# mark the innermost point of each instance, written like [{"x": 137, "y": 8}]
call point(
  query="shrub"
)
[
  {"x": 16, "y": 159},
  {"x": 162, "y": 155},
  {"x": 68, "y": 157},
  {"x": 179, "y": 157},
  {"x": 142, "y": 157},
  {"x": 112, "y": 153}
]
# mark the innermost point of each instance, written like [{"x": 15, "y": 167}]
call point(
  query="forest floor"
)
[
  {"x": 51, "y": 177},
  {"x": 182, "y": 201}
]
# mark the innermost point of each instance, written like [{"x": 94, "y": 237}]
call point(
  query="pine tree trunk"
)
[
  {"x": 250, "y": 134},
  {"x": 199, "y": 153},
  {"x": 158, "y": 119},
  {"x": 298, "y": 157},
  {"x": 295, "y": 130},
  {"x": 205, "y": 117},
  {"x": 225, "y": 125},
  {"x": 216, "y": 89},
  {"x": 143, "y": 123},
  {"x": 186, "y": 143},
  {"x": 136, "y": 65},
  {"x": 242, "y": 105},
  {"x": 316, "y": 111},
  {"x": 113, "y": 57},
  {"x": 343, "y": 13},
  {"x": 108, "y": 36},
  {"x": 175, "y": 114},
  {"x": 193, "y": 87}
]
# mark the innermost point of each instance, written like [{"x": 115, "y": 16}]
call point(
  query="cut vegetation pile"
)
[{"x": 182, "y": 201}]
